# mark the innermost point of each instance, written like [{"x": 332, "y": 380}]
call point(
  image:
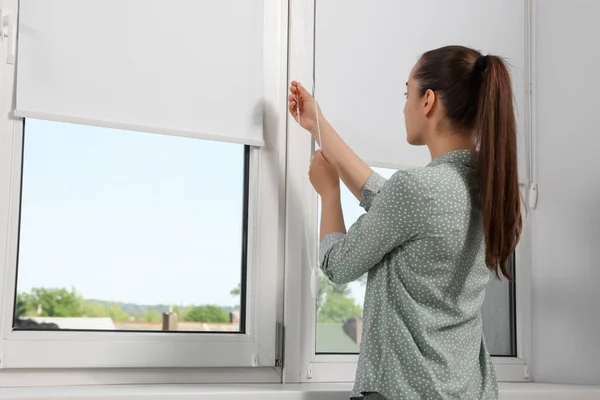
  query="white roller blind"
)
[
  {"x": 366, "y": 49},
  {"x": 181, "y": 67}
]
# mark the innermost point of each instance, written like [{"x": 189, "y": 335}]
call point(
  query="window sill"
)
[{"x": 508, "y": 391}]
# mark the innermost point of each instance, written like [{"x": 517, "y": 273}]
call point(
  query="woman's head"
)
[
  {"x": 457, "y": 90},
  {"x": 442, "y": 93}
]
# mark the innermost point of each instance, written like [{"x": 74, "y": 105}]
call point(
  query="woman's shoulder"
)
[
  {"x": 446, "y": 175},
  {"x": 415, "y": 178},
  {"x": 407, "y": 182}
]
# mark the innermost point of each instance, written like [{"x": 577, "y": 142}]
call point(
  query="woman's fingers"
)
[
  {"x": 294, "y": 105},
  {"x": 295, "y": 99},
  {"x": 294, "y": 93},
  {"x": 292, "y": 99},
  {"x": 297, "y": 89},
  {"x": 324, "y": 157},
  {"x": 302, "y": 92},
  {"x": 319, "y": 157}
]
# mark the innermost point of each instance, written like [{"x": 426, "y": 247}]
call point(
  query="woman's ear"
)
[{"x": 428, "y": 102}]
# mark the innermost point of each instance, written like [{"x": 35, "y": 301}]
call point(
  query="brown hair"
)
[{"x": 476, "y": 93}]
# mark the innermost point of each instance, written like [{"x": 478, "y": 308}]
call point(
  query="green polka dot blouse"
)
[{"x": 421, "y": 243}]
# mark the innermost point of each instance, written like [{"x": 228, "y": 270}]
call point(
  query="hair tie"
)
[{"x": 482, "y": 63}]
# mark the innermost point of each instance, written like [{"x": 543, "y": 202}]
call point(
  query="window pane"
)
[
  {"x": 339, "y": 307},
  {"x": 129, "y": 231},
  {"x": 499, "y": 316}
]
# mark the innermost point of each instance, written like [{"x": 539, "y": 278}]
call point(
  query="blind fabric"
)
[
  {"x": 365, "y": 51},
  {"x": 182, "y": 67}
]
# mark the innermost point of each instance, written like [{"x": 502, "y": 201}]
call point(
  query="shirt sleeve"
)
[
  {"x": 372, "y": 187},
  {"x": 396, "y": 216}
]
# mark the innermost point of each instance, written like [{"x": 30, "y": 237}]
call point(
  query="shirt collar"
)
[{"x": 453, "y": 157}]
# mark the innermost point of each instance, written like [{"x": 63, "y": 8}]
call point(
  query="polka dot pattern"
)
[{"x": 421, "y": 243}]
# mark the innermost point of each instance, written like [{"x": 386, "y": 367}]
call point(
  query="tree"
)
[
  {"x": 51, "y": 303},
  {"x": 117, "y": 314},
  {"x": 326, "y": 288},
  {"x": 94, "y": 309},
  {"x": 338, "y": 308},
  {"x": 208, "y": 313},
  {"x": 334, "y": 303},
  {"x": 21, "y": 305},
  {"x": 151, "y": 316},
  {"x": 181, "y": 312}
]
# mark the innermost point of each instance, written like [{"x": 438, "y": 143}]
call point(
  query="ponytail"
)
[
  {"x": 496, "y": 161},
  {"x": 477, "y": 95}
]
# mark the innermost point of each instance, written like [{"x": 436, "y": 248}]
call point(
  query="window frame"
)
[
  {"x": 256, "y": 347},
  {"x": 302, "y": 363}
]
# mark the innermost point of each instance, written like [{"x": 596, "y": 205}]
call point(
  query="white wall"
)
[{"x": 566, "y": 224}]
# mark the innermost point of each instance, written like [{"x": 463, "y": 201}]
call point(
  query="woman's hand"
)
[
  {"x": 301, "y": 100},
  {"x": 323, "y": 176},
  {"x": 351, "y": 169}
]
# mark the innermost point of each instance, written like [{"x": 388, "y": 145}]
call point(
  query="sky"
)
[{"x": 134, "y": 217}]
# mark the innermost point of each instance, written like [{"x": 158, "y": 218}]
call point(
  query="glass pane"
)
[
  {"x": 499, "y": 319},
  {"x": 339, "y": 307},
  {"x": 129, "y": 231}
]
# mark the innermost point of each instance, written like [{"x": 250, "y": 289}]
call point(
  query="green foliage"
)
[
  {"x": 326, "y": 288},
  {"x": 51, "y": 302},
  {"x": 133, "y": 309},
  {"x": 208, "y": 313},
  {"x": 338, "y": 308},
  {"x": 65, "y": 303},
  {"x": 151, "y": 316},
  {"x": 117, "y": 314},
  {"x": 93, "y": 309},
  {"x": 334, "y": 303},
  {"x": 21, "y": 305},
  {"x": 181, "y": 312},
  {"x": 136, "y": 310}
]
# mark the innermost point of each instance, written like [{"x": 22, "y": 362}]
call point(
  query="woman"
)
[{"x": 429, "y": 235}]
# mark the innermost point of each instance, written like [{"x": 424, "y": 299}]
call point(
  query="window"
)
[
  {"x": 330, "y": 331},
  {"x": 173, "y": 250},
  {"x": 339, "y": 307},
  {"x": 134, "y": 240},
  {"x": 122, "y": 242},
  {"x": 130, "y": 231}
]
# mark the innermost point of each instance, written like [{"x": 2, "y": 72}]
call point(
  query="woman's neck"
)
[{"x": 444, "y": 142}]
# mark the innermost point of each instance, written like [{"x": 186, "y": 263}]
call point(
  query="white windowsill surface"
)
[{"x": 508, "y": 391}]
